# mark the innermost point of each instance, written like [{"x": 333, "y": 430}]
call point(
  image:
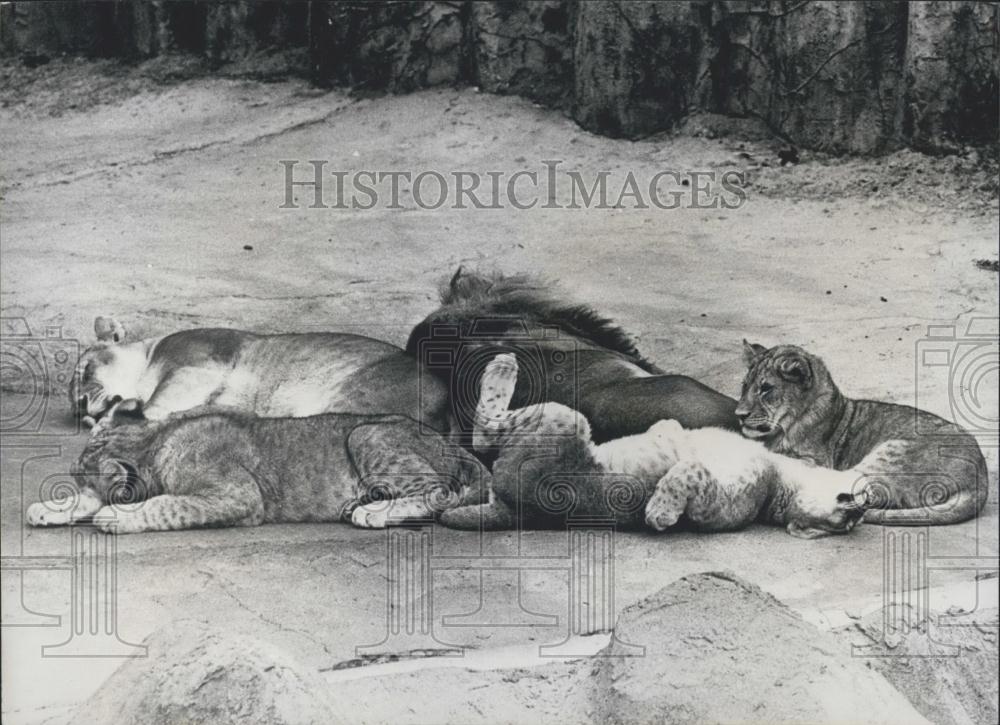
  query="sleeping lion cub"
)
[
  {"x": 549, "y": 467},
  {"x": 212, "y": 467},
  {"x": 919, "y": 468}
]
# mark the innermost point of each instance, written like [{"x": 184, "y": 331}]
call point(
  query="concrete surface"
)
[{"x": 141, "y": 208}]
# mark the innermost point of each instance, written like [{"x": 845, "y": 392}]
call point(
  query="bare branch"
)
[
  {"x": 767, "y": 13},
  {"x": 809, "y": 79}
]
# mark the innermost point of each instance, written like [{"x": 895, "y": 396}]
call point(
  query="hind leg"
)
[
  {"x": 403, "y": 474},
  {"x": 674, "y": 492},
  {"x": 543, "y": 450},
  {"x": 543, "y": 424},
  {"x": 493, "y": 415}
]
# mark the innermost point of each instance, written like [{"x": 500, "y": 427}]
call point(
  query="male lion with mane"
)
[{"x": 567, "y": 353}]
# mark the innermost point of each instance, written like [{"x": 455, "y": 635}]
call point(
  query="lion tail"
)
[{"x": 963, "y": 507}]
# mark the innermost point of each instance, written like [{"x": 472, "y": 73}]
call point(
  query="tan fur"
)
[
  {"x": 289, "y": 375},
  {"x": 211, "y": 467},
  {"x": 550, "y": 468},
  {"x": 919, "y": 469}
]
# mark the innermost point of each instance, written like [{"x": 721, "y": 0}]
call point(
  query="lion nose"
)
[{"x": 742, "y": 410}]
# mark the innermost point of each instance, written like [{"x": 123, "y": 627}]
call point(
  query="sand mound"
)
[
  {"x": 194, "y": 674},
  {"x": 718, "y": 649}
]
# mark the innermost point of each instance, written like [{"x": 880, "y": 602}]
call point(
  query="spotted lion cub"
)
[
  {"x": 222, "y": 467},
  {"x": 549, "y": 468}
]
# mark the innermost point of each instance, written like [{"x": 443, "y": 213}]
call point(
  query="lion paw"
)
[
  {"x": 497, "y": 387},
  {"x": 379, "y": 514},
  {"x": 661, "y": 513},
  {"x": 372, "y": 515},
  {"x": 48, "y": 513}
]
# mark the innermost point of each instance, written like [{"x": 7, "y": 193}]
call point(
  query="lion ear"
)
[
  {"x": 465, "y": 285},
  {"x": 795, "y": 369},
  {"x": 126, "y": 412},
  {"x": 456, "y": 278},
  {"x": 108, "y": 329},
  {"x": 751, "y": 351}
]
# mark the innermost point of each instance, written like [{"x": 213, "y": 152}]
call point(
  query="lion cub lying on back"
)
[
  {"x": 716, "y": 479},
  {"x": 212, "y": 467}
]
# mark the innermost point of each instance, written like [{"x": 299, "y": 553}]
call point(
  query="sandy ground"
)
[{"x": 143, "y": 207}]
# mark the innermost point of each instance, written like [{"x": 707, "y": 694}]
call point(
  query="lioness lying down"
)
[
  {"x": 549, "y": 467},
  {"x": 287, "y": 375},
  {"x": 212, "y": 467}
]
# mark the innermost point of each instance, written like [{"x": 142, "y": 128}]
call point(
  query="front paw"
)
[
  {"x": 121, "y": 518},
  {"x": 660, "y": 515},
  {"x": 372, "y": 515},
  {"x": 47, "y": 513}
]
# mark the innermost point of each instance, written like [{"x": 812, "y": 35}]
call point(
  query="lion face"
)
[
  {"x": 114, "y": 462},
  {"x": 779, "y": 387},
  {"x": 105, "y": 373},
  {"x": 88, "y": 390},
  {"x": 820, "y": 510}
]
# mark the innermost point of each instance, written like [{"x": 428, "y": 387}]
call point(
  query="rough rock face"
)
[
  {"x": 525, "y": 49},
  {"x": 718, "y": 649},
  {"x": 836, "y": 75},
  {"x": 388, "y": 46},
  {"x": 195, "y": 674},
  {"x": 827, "y": 75},
  {"x": 951, "y": 74},
  {"x": 636, "y": 66}
]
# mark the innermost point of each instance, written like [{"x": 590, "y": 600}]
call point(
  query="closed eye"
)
[{"x": 766, "y": 388}]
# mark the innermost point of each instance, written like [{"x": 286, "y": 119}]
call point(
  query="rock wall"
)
[
  {"x": 524, "y": 49},
  {"x": 839, "y": 76},
  {"x": 827, "y": 75}
]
